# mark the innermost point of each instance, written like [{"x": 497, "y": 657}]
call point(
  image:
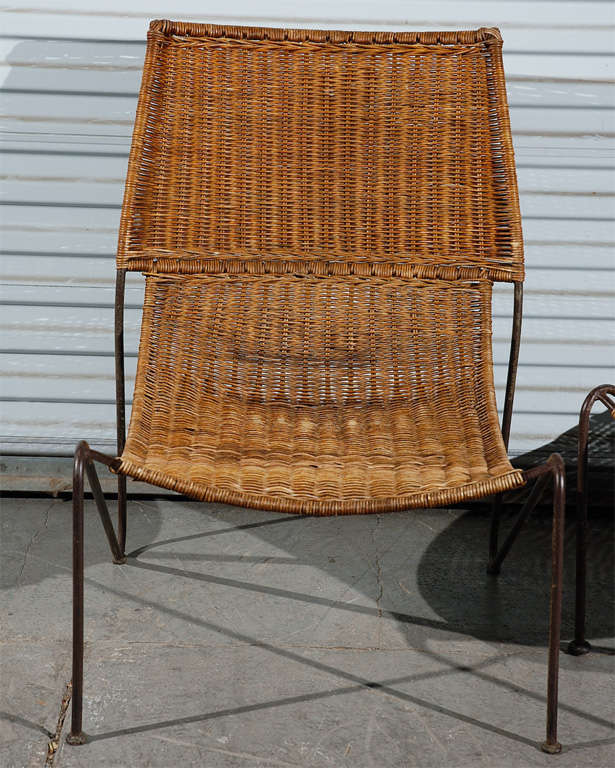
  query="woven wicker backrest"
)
[{"x": 266, "y": 150}]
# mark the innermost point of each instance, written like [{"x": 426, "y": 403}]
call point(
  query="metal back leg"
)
[
  {"x": 511, "y": 379},
  {"x": 120, "y": 401}
]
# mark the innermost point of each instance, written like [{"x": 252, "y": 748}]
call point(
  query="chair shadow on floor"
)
[{"x": 512, "y": 607}]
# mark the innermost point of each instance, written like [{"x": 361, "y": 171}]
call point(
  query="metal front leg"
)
[
  {"x": 83, "y": 462},
  {"x": 553, "y": 469}
]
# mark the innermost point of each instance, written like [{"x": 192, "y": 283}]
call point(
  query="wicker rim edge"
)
[
  {"x": 442, "y": 497},
  {"x": 190, "y": 265},
  {"x": 445, "y": 37}
]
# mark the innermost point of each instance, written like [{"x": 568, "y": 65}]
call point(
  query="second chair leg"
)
[
  {"x": 551, "y": 744},
  {"x": 604, "y": 394},
  {"x": 579, "y": 646}
]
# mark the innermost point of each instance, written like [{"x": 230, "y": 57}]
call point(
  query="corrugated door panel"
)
[{"x": 70, "y": 79}]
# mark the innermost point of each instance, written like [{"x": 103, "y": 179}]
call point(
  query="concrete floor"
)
[{"x": 241, "y": 638}]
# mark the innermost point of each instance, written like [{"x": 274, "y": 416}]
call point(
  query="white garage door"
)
[{"x": 70, "y": 76}]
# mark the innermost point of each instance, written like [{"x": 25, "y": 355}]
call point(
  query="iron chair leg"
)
[
  {"x": 579, "y": 645},
  {"x": 120, "y": 401},
  {"x": 553, "y": 469},
  {"x": 83, "y": 461},
  {"x": 76, "y": 735},
  {"x": 551, "y": 744}
]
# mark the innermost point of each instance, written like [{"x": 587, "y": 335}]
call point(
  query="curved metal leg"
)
[
  {"x": 579, "y": 646},
  {"x": 83, "y": 463}
]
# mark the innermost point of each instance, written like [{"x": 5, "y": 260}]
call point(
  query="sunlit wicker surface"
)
[
  {"x": 317, "y": 395},
  {"x": 335, "y": 146},
  {"x": 322, "y": 215}
]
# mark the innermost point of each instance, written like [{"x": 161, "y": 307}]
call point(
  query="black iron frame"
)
[
  {"x": 579, "y": 646},
  {"x": 553, "y": 469}
]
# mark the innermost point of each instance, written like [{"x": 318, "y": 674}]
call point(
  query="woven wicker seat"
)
[
  {"x": 321, "y": 217},
  {"x": 317, "y": 394}
]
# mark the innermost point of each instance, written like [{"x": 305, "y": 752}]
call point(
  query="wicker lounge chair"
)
[{"x": 320, "y": 217}]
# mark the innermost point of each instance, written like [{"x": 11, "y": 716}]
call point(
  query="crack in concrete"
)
[
  {"x": 54, "y": 741},
  {"x": 33, "y": 539},
  {"x": 380, "y": 586},
  {"x": 379, "y": 583},
  {"x": 230, "y": 752}
]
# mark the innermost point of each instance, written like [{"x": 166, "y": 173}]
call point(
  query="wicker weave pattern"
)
[
  {"x": 319, "y": 395},
  {"x": 322, "y": 215},
  {"x": 332, "y": 147}
]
